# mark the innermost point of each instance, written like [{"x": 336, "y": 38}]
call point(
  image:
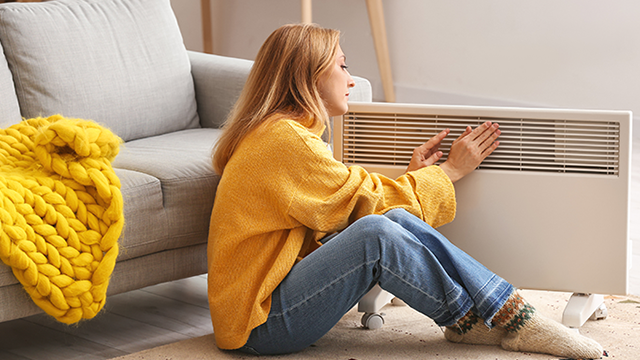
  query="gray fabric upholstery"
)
[
  {"x": 220, "y": 78},
  {"x": 181, "y": 161},
  {"x": 127, "y": 275},
  {"x": 158, "y": 267},
  {"x": 6, "y": 275},
  {"x": 9, "y": 108},
  {"x": 145, "y": 218},
  {"x": 121, "y": 63},
  {"x": 10, "y": 296},
  {"x": 146, "y": 221},
  {"x": 362, "y": 92}
]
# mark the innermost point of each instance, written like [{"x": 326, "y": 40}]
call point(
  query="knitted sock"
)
[
  {"x": 531, "y": 332},
  {"x": 470, "y": 329}
]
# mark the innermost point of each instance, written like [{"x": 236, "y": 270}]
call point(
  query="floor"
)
[
  {"x": 131, "y": 322},
  {"x": 171, "y": 312},
  {"x": 634, "y": 230}
]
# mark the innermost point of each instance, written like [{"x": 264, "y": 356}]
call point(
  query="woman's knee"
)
[
  {"x": 373, "y": 225},
  {"x": 416, "y": 226},
  {"x": 378, "y": 231},
  {"x": 395, "y": 228},
  {"x": 400, "y": 215}
]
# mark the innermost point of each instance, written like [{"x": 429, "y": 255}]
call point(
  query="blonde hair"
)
[{"x": 282, "y": 83}]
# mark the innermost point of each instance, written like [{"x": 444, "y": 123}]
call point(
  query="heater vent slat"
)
[{"x": 526, "y": 144}]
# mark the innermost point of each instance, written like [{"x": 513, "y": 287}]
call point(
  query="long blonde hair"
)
[{"x": 282, "y": 83}]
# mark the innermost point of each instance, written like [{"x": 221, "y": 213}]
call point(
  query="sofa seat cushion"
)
[
  {"x": 121, "y": 63},
  {"x": 181, "y": 161},
  {"x": 145, "y": 225},
  {"x": 168, "y": 188},
  {"x": 144, "y": 219},
  {"x": 6, "y": 276}
]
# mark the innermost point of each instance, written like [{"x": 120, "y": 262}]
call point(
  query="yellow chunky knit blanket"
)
[{"x": 61, "y": 212}]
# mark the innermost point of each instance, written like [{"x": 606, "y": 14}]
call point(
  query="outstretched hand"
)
[
  {"x": 427, "y": 154},
  {"x": 467, "y": 151},
  {"x": 470, "y": 149}
]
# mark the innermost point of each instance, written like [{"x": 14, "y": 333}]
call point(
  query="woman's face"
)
[{"x": 335, "y": 84}]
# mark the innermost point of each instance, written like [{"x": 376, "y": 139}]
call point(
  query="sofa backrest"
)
[
  {"x": 121, "y": 63},
  {"x": 9, "y": 109}
]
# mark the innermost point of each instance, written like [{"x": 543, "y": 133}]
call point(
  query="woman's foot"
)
[{"x": 531, "y": 332}]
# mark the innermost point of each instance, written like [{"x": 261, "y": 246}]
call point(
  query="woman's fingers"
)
[
  {"x": 466, "y": 133},
  {"x": 482, "y": 132},
  {"x": 484, "y": 136},
  {"x": 436, "y": 140},
  {"x": 492, "y": 143},
  {"x": 490, "y": 149},
  {"x": 434, "y": 158},
  {"x": 427, "y": 154},
  {"x": 470, "y": 149}
]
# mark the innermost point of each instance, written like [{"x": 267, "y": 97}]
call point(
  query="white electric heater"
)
[{"x": 548, "y": 210}]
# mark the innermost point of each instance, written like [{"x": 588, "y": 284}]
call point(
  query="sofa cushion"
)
[
  {"x": 9, "y": 110},
  {"x": 6, "y": 275},
  {"x": 182, "y": 163},
  {"x": 121, "y": 63},
  {"x": 145, "y": 219},
  {"x": 147, "y": 229}
]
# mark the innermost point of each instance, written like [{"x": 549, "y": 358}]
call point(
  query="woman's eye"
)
[{"x": 344, "y": 67}]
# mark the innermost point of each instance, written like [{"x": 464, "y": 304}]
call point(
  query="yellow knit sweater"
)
[{"x": 281, "y": 191}]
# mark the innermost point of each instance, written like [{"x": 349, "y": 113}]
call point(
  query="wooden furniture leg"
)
[
  {"x": 379, "y": 32},
  {"x": 305, "y": 6},
  {"x": 207, "y": 30}
]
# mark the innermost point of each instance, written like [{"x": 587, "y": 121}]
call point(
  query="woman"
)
[{"x": 273, "y": 288}]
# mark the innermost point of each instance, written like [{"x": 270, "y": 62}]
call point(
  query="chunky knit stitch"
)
[{"x": 61, "y": 212}]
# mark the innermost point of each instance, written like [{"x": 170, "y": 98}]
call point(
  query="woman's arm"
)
[{"x": 331, "y": 195}]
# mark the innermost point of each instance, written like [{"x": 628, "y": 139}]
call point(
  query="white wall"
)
[
  {"x": 570, "y": 53},
  {"x": 554, "y": 53},
  {"x": 190, "y": 21}
]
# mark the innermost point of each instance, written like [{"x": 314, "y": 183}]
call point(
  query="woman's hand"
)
[
  {"x": 470, "y": 149},
  {"x": 427, "y": 154}
]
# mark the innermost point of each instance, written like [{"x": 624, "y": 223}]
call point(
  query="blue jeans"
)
[{"x": 406, "y": 256}]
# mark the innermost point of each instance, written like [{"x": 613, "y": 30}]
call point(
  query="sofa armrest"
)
[
  {"x": 218, "y": 82},
  {"x": 362, "y": 91}
]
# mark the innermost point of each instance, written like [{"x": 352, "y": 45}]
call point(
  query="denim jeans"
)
[{"x": 406, "y": 256}]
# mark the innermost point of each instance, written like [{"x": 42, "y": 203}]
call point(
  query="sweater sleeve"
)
[{"x": 332, "y": 195}]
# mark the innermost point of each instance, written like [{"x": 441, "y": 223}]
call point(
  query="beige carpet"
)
[{"x": 409, "y": 335}]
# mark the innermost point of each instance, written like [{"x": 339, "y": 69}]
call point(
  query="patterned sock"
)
[
  {"x": 529, "y": 331},
  {"x": 470, "y": 329},
  {"x": 514, "y": 313}
]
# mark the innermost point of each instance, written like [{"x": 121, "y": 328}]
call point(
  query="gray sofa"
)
[{"x": 122, "y": 63}]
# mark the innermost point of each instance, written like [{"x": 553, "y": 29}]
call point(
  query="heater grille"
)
[{"x": 526, "y": 144}]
